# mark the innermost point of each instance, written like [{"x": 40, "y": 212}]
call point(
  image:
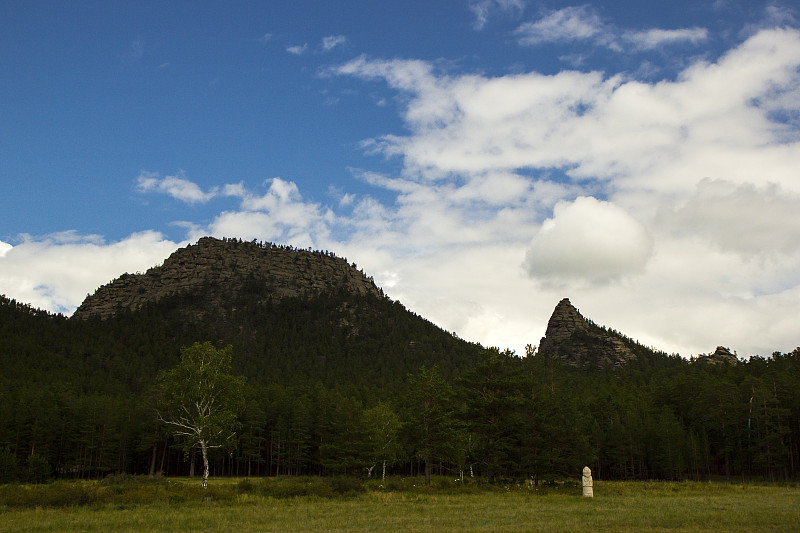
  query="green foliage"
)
[
  {"x": 330, "y": 379},
  {"x": 9, "y": 467},
  {"x": 347, "y": 447},
  {"x": 200, "y": 399},
  {"x": 430, "y": 426},
  {"x": 383, "y": 428},
  {"x": 35, "y": 470},
  {"x": 494, "y": 399},
  {"x": 38, "y": 469}
]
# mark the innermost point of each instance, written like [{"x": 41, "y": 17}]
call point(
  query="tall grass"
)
[{"x": 314, "y": 504}]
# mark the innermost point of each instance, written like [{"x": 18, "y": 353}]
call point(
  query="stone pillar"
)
[{"x": 588, "y": 489}]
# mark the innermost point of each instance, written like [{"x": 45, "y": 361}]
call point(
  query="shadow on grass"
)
[
  {"x": 122, "y": 491},
  {"x": 119, "y": 491}
]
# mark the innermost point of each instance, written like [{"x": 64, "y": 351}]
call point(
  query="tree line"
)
[{"x": 81, "y": 400}]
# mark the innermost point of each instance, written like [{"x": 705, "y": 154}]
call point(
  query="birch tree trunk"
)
[
  {"x": 200, "y": 400},
  {"x": 205, "y": 463}
]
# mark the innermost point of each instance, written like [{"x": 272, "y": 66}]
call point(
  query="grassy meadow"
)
[{"x": 343, "y": 504}]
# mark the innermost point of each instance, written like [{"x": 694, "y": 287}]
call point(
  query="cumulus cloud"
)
[
  {"x": 776, "y": 16},
  {"x": 176, "y": 186},
  {"x": 51, "y": 272},
  {"x": 588, "y": 240},
  {"x": 663, "y": 233},
  {"x": 279, "y": 215},
  {"x": 664, "y": 210},
  {"x": 715, "y": 120},
  {"x": 741, "y": 218}
]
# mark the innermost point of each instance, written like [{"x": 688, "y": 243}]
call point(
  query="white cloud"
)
[
  {"x": 575, "y": 23},
  {"x": 4, "y": 248},
  {"x": 583, "y": 23},
  {"x": 234, "y": 189},
  {"x": 778, "y": 16},
  {"x": 332, "y": 41},
  {"x": 588, "y": 240},
  {"x": 297, "y": 49},
  {"x": 495, "y": 214},
  {"x": 712, "y": 121},
  {"x": 663, "y": 253},
  {"x": 177, "y": 187},
  {"x": 745, "y": 218},
  {"x": 649, "y": 39},
  {"x": 51, "y": 272},
  {"x": 279, "y": 215},
  {"x": 482, "y": 9}
]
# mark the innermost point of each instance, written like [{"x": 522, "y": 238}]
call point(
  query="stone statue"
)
[{"x": 588, "y": 489}]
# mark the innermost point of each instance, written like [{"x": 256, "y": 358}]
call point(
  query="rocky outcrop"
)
[
  {"x": 580, "y": 343},
  {"x": 721, "y": 355},
  {"x": 216, "y": 271}
]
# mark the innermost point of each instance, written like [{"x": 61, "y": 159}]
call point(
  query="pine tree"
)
[{"x": 430, "y": 421}]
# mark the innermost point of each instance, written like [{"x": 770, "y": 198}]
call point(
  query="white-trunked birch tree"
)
[
  {"x": 383, "y": 433},
  {"x": 200, "y": 399}
]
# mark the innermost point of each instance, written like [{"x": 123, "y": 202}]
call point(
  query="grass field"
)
[{"x": 311, "y": 504}]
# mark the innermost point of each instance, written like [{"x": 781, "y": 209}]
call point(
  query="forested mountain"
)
[
  {"x": 339, "y": 379},
  {"x": 293, "y": 316}
]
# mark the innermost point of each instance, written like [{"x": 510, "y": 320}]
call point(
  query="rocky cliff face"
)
[
  {"x": 216, "y": 270},
  {"x": 580, "y": 343},
  {"x": 721, "y": 355}
]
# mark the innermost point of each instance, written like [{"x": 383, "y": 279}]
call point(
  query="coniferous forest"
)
[{"x": 357, "y": 385}]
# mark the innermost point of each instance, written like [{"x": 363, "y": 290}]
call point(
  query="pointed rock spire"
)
[{"x": 581, "y": 343}]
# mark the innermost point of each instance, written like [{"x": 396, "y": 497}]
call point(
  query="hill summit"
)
[
  {"x": 291, "y": 316},
  {"x": 216, "y": 271},
  {"x": 581, "y": 343}
]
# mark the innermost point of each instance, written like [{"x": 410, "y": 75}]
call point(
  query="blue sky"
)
[{"x": 481, "y": 159}]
